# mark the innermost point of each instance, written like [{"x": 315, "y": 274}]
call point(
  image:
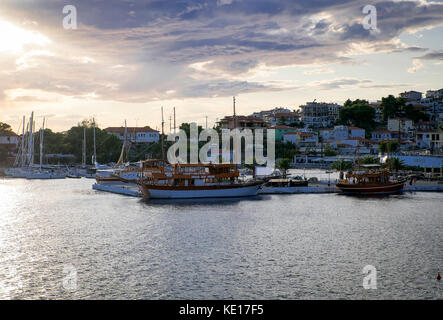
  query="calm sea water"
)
[{"x": 270, "y": 247}]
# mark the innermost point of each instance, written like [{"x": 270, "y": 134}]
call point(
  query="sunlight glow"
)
[{"x": 13, "y": 39}]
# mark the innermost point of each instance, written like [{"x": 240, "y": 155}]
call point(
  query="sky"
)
[{"x": 126, "y": 58}]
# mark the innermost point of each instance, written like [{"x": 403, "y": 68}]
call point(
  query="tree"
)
[
  {"x": 370, "y": 160},
  {"x": 392, "y": 107},
  {"x": 186, "y": 127},
  {"x": 415, "y": 115},
  {"x": 390, "y": 146},
  {"x": 329, "y": 152},
  {"x": 284, "y": 149},
  {"x": 342, "y": 165},
  {"x": 282, "y": 121},
  {"x": 4, "y": 127},
  {"x": 395, "y": 164},
  {"x": 358, "y": 113},
  {"x": 284, "y": 165}
]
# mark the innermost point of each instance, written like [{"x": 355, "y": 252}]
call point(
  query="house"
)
[
  {"x": 242, "y": 122},
  {"x": 316, "y": 114},
  {"x": 342, "y": 132},
  {"x": 381, "y": 135},
  {"x": 411, "y": 95},
  {"x": 429, "y": 139},
  {"x": 9, "y": 139},
  {"x": 400, "y": 124},
  {"x": 302, "y": 139},
  {"x": 423, "y": 125},
  {"x": 378, "y": 111},
  {"x": 264, "y": 113},
  {"x": 434, "y": 94},
  {"x": 387, "y": 135},
  {"x": 281, "y": 130},
  {"x": 135, "y": 134},
  {"x": 286, "y": 117}
]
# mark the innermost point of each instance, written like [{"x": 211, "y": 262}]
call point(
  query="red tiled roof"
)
[{"x": 355, "y": 128}]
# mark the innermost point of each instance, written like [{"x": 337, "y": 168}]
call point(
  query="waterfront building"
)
[{"x": 135, "y": 134}]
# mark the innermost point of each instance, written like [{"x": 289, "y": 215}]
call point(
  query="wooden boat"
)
[
  {"x": 159, "y": 180},
  {"x": 370, "y": 181}
]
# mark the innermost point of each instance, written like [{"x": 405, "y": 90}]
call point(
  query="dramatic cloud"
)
[{"x": 140, "y": 51}]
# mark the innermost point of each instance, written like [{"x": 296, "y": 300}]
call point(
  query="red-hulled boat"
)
[{"x": 370, "y": 181}]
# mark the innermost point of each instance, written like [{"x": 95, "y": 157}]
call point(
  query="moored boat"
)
[
  {"x": 370, "y": 181},
  {"x": 159, "y": 180}
]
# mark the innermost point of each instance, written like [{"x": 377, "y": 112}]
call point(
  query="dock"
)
[
  {"x": 126, "y": 190},
  {"x": 315, "y": 188}
]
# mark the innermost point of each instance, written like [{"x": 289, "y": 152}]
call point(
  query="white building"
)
[
  {"x": 135, "y": 134},
  {"x": 400, "y": 124},
  {"x": 411, "y": 95},
  {"x": 343, "y": 132},
  {"x": 288, "y": 118},
  {"x": 302, "y": 139},
  {"x": 429, "y": 139},
  {"x": 320, "y": 114},
  {"x": 9, "y": 139}
]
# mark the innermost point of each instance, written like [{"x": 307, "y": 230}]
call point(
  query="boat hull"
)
[
  {"x": 165, "y": 192},
  {"x": 364, "y": 189}
]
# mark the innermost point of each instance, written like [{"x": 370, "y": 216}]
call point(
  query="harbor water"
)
[{"x": 59, "y": 239}]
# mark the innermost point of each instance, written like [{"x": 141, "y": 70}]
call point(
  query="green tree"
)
[
  {"x": 329, "y": 152},
  {"x": 186, "y": 127},
  {"x": 415, "y": 115},
  {"x": 390, "y": 146},
  {"x": 392, "y": 107},
  {"x": 282, "y": 121},
  {"x": 370, "y": 160},
  {"x": 284, "y": 165},
  {"x": 358, "y": 113},
  {"x": 4, "y": 127},
  {"x": 395, "y": 164}
]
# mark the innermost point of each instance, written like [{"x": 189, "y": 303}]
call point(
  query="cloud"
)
[
  {"x": 416, "y": 65},
  {"x": 141, "y": 51},
  {"x": 432, "y": 56}
]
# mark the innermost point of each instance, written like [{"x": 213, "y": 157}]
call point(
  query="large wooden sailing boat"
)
[
  {"x": 370, "y": 180},
  {"x": 159, "y": 180}
]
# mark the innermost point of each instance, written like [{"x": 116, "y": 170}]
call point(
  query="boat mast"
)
[
  {"x": 94, "y": 160},
  {"x": 163, "y": 132},
  {"x": 84, "y": 148},
  {"x": 31, "y": 140},
  {"x": 235, "y": 116},
  {"x": 42, "y": 133},
  {"x": 23, "y": 144}
]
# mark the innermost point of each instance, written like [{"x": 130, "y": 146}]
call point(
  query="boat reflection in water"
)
[
  {"x": 160, "y": 180},
  {"x": 370, "y": 181}
]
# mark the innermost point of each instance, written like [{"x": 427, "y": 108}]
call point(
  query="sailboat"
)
[{"x": 39, "y": 173}]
